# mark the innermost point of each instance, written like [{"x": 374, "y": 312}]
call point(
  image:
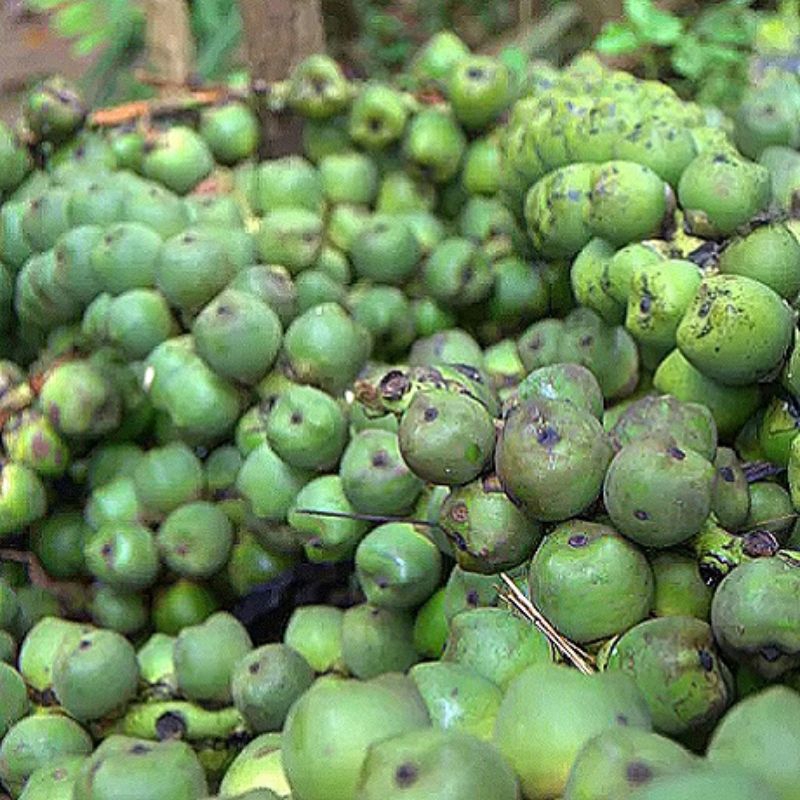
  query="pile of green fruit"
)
[{"x": 531, "y": 329}]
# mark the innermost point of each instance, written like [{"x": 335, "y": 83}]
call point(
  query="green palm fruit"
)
[
  {"x": 760, "y": 733},
  {"x": 254, "y": 560},
  {"x": 386, "y": 250},
  {"x": 251, "y": 429},
  {"x": 156, "y": 667},
  {"x": 14, "y": 158},
  {"x": 14, "y": 247},
  {"x": 658, "y": 494},
  {"x": 231, "y": 131},
  {"x": 8, "y": 648},
  {"x": 539, "y": 742},
  {"x": 9, "y": 606},
  {"x": 206, "y": 655},
  {"x": 307, "y": 428},
  {"x": 618, "y": 272},
  {"x": 457, "y": 273},
  {"x": 771, "y": 509},
  {"x": 556, "y": 211},
  {"x": 764, "y": 118},
  {"x": 317, "y": 88},
  {"x": 769, "y": 254},
  {"x": 430, "y": 318},
  {"x": 37, "y": 298},
  {"x": 619, "y": 761},
  {"x": 35, "y": 603},
  {"x": 369, "y": 710},
  {"x": 652, "y": 416},
  {"x": 551, "y": 457},
  {"x": 238, "y": 335},
  {"x": 400, "y": 193},
  {"x": 35, "y": 741},
  {"x": 676, "y": 666},
  {"x": 754, "y": 618},
  {"x": 53, "y": 780},
  {"x": 215, "y": 210},
  {"x": 74, "y": 271},
  {"x": 99, "y": 203},
  {"x": 334, "y": 263},
  {"x": 397, "y": 566},
  {"x": 46, "y": 218},
  {"x": 377, "y": 117},
  {"x": 138, "y": 320},
  {"x": 15, "y": 698},
  {"x": 451, "y": 764},
  {"x": 178, "y": 158},
  {"x": 288, "y": 182},
  {"x": 158, "y": 720},
  {"x": 114, "y": 501},
  {"x": 590, "y": 282},
  {"x": 58, "y": 543},
  {"x": 386, "y": 313},
  {"x": 434, "y": 61},
  {"x": 458, "y": 697},
  {"x": 167, "y": 477},
  {"x": 122, "y": 766},
  {"x": 377, "y": 640},
  {"x": 272, "y": 285},
  {"x": 571, "y": 382},
  {"x": 449, "y": 346},
  {"x": 30, "y": 439},
  {"x": 445, "y": 437},
  {"x": 43, "y": 642},
  {"x": 266, "y": 682},
  {"x": 345, "y": 223},
  {"x": 430, "y": 627},
  {"x": 182, "y": 604},
  {"x": 679, "y": 588},
  {"x": 350, "y": 178},
  {"x": 495, "y": 644},
  {"x": 519, "y": 294},
  {"x": 504, "y": 367},
  {"x": 268, "y": 484},
  {"x": 122, "y": 554},
  {"x": 481, "y": 171},
  {"x": 434, "y": 145},
  {"x": 479, "y": 90},
  {"x": 23, "y": 498},
  {"x": 123, "y": 612},
  {"x": 325, "y": 538},
  {"x": 326, "y": 348},
  {"x": 719, "y": 191},
  {"x": 664, "y": 147},
  {"x": 96, "y": 676},
  {"x": 191, "y": 268},
  {"x": 257, "y": 768},
  {"x": 705, "y": 783},
  {"x": 315, "y": 631},
  {"x": 730, "y": 497},
  {"x": 195, "y": 539},
  {"x": 314, "y": 287},
  {"x": 539, "y": 344},
  {"x": 783, "y": 165},
  {"x": 715, "y": 333},
  {"x": 324, "y": 137},
  {"x": 777, "y": 428},
  {"x": 54, "y": 110},
  {"x": 152, "y": 205},
  {"x": 590, "y": 582}
]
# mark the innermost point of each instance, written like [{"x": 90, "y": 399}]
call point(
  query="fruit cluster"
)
[{"x": 521, "y": 336}]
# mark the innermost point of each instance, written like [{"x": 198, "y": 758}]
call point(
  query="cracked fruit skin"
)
[
  {"x": 736, "y": 330},
  {"x": 590, "y": 581},
  {"x": 551, "y": 457}
]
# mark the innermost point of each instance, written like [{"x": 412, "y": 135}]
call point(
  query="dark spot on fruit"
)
[
  {"x": 770, "y": 653},
  {"x": 106, "y": 549},
  {"x": 705, "y": 309},
  {"x": 375, "y": 612},
  {"x": 182, "y": 549},
  {"x": 381, "y": 582},
  {"x": 645, "y": 303},
  {"x": 578, "y": 540},
  {"x": 84, "y": 644},
  {"x": 710, "y": 574},
  {"x": 223, "y": 310},
  {"x": 405, "y": 775},
  {"x": 586, "y": 341},
  {"x": 640, "y": 514},
  {"x": 375, "y": 124},
  {"x": 380, "y": 459},
  {"x": 254, "y": 668},
  {"x": 141, "y": 749},
  {"x": 459, "y": 512},
  {"x": 676, "y": 453},
  {"x": 170, "y": 725},
  {"x": 296, "y": 418},
  {"x": 309, "y": 238},
  {"x": 59, "y": 774},
  {"x": 470, "y": 372},
  {"x": 535, "y": 343},
  {"x": 394, "y": 385},
  {"x": 430, "y": 414},
  {"x": 706, "y": 660},
  {"x": 475, "y": 73},
  {"x": 760, "y": 544},
  {"x": 547, "y": 436},
  {"x": 473, "y": 598},
  {"x": 622, "y": 719},
  {"x": 638, "y": 773},
  {"x": 727, "y": 474}
]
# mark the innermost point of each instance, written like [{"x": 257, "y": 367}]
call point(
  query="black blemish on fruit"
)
[
  {"x": 676, "y": 453},
  {"x": 375, "y": 124},
  {"x": 578, "y": 540},
  {"x": 770, "y": 653},
  {"x": 645, "y": 303},
  {"x": 84, "y": 644},
  {"x": 640, "y": 514},
  {"x": 405, "y": 775},
  {"x": 727, "y": 474},
  {"x": 706, "y": 660},
  {"x": 548, "y": 436},
  {"x": 638, "y": 773},
  {"x": 296, "y": 418},
  {"x": 430, "y": 414},
  {"x": 380, "y": 459},
  {"x": 586, "y": 341},
  {"x": 170, "y": 726},
  {"x": 473, "y": 598},
  {"x": 459, "y": 512},
  {"x": 622, "y": 719},
  {"x": 254, "y": 668}
]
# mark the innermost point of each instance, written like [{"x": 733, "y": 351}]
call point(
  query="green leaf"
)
[
  {"x": 689, "y": 57},
  {"x": 652, "y": 24},
  {"x": 76, "y": 19},
  {"x": 89, "y": 43},
  {"x": 616, "y": 38}
]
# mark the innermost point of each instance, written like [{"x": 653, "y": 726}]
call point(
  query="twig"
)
[{"x": 517, "y": 600}]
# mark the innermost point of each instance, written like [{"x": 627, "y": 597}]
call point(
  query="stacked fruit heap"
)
[{"x": 525, "y": 328}]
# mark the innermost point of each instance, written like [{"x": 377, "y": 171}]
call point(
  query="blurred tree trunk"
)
[
  {"x": 598, "y": 12},
  {"x": 170, "y": 46},
  {"x": 279, "y": 34}
]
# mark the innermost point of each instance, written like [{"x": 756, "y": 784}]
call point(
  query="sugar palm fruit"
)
[
  {"x": 96, "y": 676},
  {"x": 449, "y": 346},
  {"x": 715, "y": 333},
  {"x": 479, "y": 89},
  {"x": 315, "y": 287},
  {"x": 430, "y": 626},
  {"x": 400, "y": 193},
  {"x": 590, "y": 283},
  {"x": 556, "y": 211},
  {"x": 307, "y": 428},
  {"x": 15, "y": 159},
  {"x": 434, "y": 145},
  {"x": 40, "y": 647},
  {"x": 126, "y": 257},
  {"x": 488, "y": 532},
  {"x": 480, "y": 173},
  {"x": 123, "y": 555},
  {"x": 377, "y": 117},
  {"x": 288, "y": 182},
  {"x": 29, "y": 438},
  {"x": 434, "y": 61},
  {"x": 564, "y": 381},
  {"x": 760, "y": 733},
  {"x": 266, "y": 682},
  {"x": 675, "y": 664},
  {"x": 708, "y": 783},
  {"x": 370, "y": 711},
  {"x": 771, "y": 509},
  {"x": 315, "y": 631},
  {"x": 446, "y": 437},
  {"x": 679, "y": 587},
  {"x": 326, "y": 348},
  {"x": 98, "y": 203},
  {"x": 54, "y": 110},
  {"x": 151, "y": 204},
  {"x": 35, "y": 741},
  {"x": 15, "y": 698},
  {"x": 167, "y": 477},
  {"x": 453, "y": 764},
  {"x": 539, "y": 344},
  {"x": 14, "y": 246},
  {"x": 495, "y": 643},
  {"x": 231, "y": 131},
  {"x": 386, "y": 250},
  {"x": 348, "y": 178},
  {"x": 325, "y": 538},
  {"x": 178, "y": 158},
  {"x": 657, "y": 416},
  {"x": 551, "y": 458},
  {"x": 662, "y": 516},
  {"x": 519, "y": 293},
  {"x": 191, "y": 268},
  {"x": 457, "y": 273},
  {"x": 619, "y": 761},
  {"x": 317, "y": 88},
  {"x": 121, "y": 611},
  {"x": 138, "y": 320},
  {"x": 539, "y": 742},
  {"x": 387, "y": 314},
  {"x": 325, "y": 136},
  {"x": 271, "y": 284},
  {"x": 589, "y": 581},
  {"x": 664, "y": 147},
  {"x": 238, "y": 335},
  {"x": 397, "y": 566},
  {"x": 45, "y": 218},
  {"x": 182, "y": 604},
  {"x": 754, "y": 618},
  {"x": 206, "y": 655},
  {"x": 777, "y": 429},
  {"x": 730, "y": 498},
  {"x": 124, "y": 765},
  {"x": 53, "y": 780},
  {"x": 257, "y": 768},
  {"x": 268, "y": 484},
  {"x": 719, "y": 191}
]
